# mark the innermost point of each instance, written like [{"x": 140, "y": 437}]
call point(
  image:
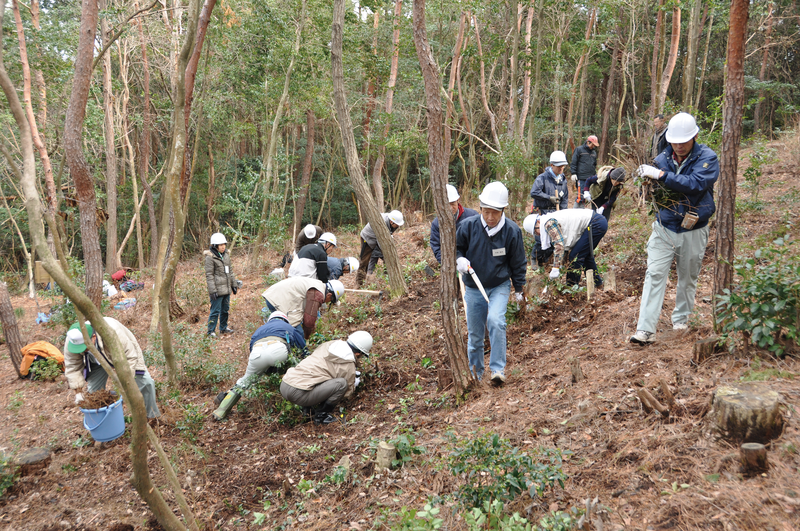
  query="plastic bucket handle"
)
[{"x": 92, "y": 428}]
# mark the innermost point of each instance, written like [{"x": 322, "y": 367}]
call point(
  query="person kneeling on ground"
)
[
  {"x": 341, "y": 266},
  {"x": 300, "y": 298},
  {"x": 82, "y": 369},
  {"x": 269, "y": 347},
  {"x": 322, "y": 380},
  {"x": 312, "y": 260},
  {"x": 566, "y": 230}
]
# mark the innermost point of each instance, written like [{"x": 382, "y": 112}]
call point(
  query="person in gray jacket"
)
[
  {"x": 369, "y": 242},
  {"x": 326, "y": 377},
  {"x": 221, "y": 283}
]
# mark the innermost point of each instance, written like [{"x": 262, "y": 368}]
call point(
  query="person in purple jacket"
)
[{"x": 680, "y": 231}]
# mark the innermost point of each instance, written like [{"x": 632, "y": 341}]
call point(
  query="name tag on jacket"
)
[{"x": 499, "y": 252}]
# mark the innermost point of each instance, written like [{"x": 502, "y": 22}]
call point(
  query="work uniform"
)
[
  {"x": 83, "y": 369},
  {"x": 221, "y": 282},
  {"x": 693, "y": 181},
  {"x": 300, "y": 298},
  {"x": 497, "y": 256},
  {"x": 547, "y": 185},
  {"x": 311, "y": 262},
  {"x": 463, "y": 213},
  {"x": 327, "y": 376}
]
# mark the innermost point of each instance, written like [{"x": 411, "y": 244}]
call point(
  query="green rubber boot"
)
[{"x": 226, "y": 405}]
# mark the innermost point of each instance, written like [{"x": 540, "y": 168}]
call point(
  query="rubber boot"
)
[
  {"x": 226, "y": 405},
  {"x": 323, "y": 414}
]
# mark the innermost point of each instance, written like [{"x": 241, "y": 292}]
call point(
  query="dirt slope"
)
[{"x": 647, "y": 473}]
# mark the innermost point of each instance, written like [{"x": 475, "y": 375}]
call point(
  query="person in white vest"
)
[{"x": 300, "y": 298}]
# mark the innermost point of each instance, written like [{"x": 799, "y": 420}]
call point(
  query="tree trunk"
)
[
  {"x": 526, "y": 81},
  {"x": 366, "y": 202},
  {"x": 73, "y": 148},
  {"x": 144, "y": 145},
  {"x": 578, "y": 71},
  {"x": 690, "y": 62},
  {"x": 733, "y": 107},
  {"x": 451, "y": 111},
  {"x": 484, "y": 97},
  {"x": 762, "y": 73},
  {"x": 112, "y": 264},
  {"x": 438, "y": 159},
  {"x": 617, "y": 51},
  {"x": 10, "y": 330},
  {"x": 273, "y": 138},
  {"x": 516, "y": 23},
  {"x": 308, "y": 170},
  {"x": 655, "y": 80},
  {"x": 699, "y": 90},
  {"x": 673, "y": 56}
]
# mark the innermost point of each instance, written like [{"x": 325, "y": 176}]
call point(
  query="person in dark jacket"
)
[
  {"x": 689, "y": 170},
  {"x": 659, "y": 141},
  {"x": 459, "y": 214},
  {"x": 309, "y": 234},
  {"x": 269, "y": 348},
  {"x": 550, "y": 191},
  {"x": 369, "y": 243},
  {"x": 490, "y": 248},
  {"x": 604, "y": 188},
  {"x": 584, "y": 164},
  {"x": 341, "y": 266},
  {"x": 312, "y": 260},
  {"x": 220, "y": 282}
]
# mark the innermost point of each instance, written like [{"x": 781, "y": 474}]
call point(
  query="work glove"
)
[
  {"x": 214, "y": 296},
  {"x": 587, "y": 196},
  {"x": 78, "y": 398},
  {"x": 600, "y": 210},
  {"x": 575, "y": 179},
  {"x": 554, "y": 273},
  {"x": 519, "y": 297},
  {"x": 234, "y": 289},
  {"x": 358, "y": 381},
  {"x": 463, "y": 265},
  {"x": 646, "y": 170},
  {"x": 238, "y": 284},
  {"x": 554, "y": 199}
]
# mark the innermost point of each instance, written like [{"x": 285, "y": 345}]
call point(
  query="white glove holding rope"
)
[
  {"x": 462, "y": 264},
  {"x": 587, "y": 196},
  {"x": 554, "y": 273},
  {"x": 646, "y": 170},
  {"x": 600, "y": 210}
]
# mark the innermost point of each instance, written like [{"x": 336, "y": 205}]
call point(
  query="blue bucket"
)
[{"x": 105, "y": 424}]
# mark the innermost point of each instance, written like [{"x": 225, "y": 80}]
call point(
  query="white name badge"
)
[
  {"x": 227, "y": 269},
  {"x": 499, "y": 252}
]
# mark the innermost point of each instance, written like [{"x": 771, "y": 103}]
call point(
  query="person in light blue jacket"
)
[{"x": 686, "y": 172}]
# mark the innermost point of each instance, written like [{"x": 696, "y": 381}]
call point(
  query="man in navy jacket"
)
[
  {"x": 459, "y": 213},
  {"x": 490, "y": 247},
  {"x": 680, "y": 231}
]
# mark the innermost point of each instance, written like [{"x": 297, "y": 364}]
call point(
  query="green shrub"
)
[
  {"x": 414, "y": 520},
  {"x": 491, "y": 516},
  {"x": 493, "y": 469},
  {"x": 406, "y": 445},
  {"x": 45, "y": 369},
  {"x": 765, "y": 305},
  {"x": 192, "y": 422},
  {"x": 8, "y": 473}
]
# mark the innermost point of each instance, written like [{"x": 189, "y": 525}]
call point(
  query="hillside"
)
[{"x": 644, "y": 472}]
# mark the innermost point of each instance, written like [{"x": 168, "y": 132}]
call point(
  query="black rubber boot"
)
[{"x": 323, "y": 414}]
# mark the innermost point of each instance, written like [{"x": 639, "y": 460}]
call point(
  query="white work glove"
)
[
  {"x": 358, "y": 381},
  {"x": 574, "y": 178},
  {"x": 554, "y": 273},
  {"x": 519, "y": 297},
  {"x": 587, "y": 196},
  {"x": 462, "y": 264},
  {"x": 600, "y": 210},
  {"x": 646, "y": 170},
  {"x": 78, "y": 398}
]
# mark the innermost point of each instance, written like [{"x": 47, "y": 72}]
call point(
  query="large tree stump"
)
[
  {"x": 754, "y": 458},
  {"x": 10, "y": 330},
  {"x": 747, "y": 412}
]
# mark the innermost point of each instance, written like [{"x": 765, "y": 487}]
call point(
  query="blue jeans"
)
[
  {"x": 219, "y": 310},
  {"x": 479, "y": 315}
]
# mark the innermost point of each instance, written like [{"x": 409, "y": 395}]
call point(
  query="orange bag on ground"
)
[{"x": 41, "y": 349}]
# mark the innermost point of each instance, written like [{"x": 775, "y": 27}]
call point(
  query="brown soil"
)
[
  {"x": 98, "y": 399},
  {"x": 646, "y": 472}
]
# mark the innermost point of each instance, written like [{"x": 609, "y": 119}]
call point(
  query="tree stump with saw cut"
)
[
  {"x": 704, "y": 349},
  {"x": 754, "y": 458},
  {"x": 747, "y": 412}
]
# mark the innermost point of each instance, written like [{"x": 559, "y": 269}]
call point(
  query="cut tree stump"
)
[
  {"x": 704, "y": 349},
  {"x": 386, "y": 454},
  {"x": 32, "y": 460},
  {"x": 577, "y": 372},
  {"x": 747, "y": 412},
  {"x": 754, "y": 458},
  {"x": 589, "y": 284},
  {"x": 610, "y": 280}
]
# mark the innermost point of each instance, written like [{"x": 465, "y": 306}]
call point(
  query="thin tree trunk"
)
[
  {"x": 112, "y": 264},
  {"x": 762, "y": 73},
  {"x": 484, "y": 98},
  {"x": 537, "y": 81},
  {"x": 73, "y": 147},
  {"x": 451, "y": 84},
  {"x": 10, "y": 330},
  {"x": 612, "y": 73},
  {"x": 308, "y": 170},
  {"x": 144, "y": 145},
  {"x": 212, "y": 192},
  {"x": 578, "y": 71},
  {"x": 526, "y": 81},
  {"x": 438, "y": 159},
  {"x": 731, "y": 137},
  {"x": 327, "y": 187},
  {"x": 699, "y": 90},
  {"x": 516, "y": 26},
  {"x": 655, "y": 80},
  {"x": 673, "y": 55},
  {"x": 367, "y": 122},
  {"x": 365, "y": 199},
  {"x": 28, "y": 258}
]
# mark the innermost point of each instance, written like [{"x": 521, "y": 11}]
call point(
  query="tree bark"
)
[
  {"x": 733, "y": 107},
  {"x": 762, "y": 73},
  {"x": 699, "y": 90},
  {"x": 366, "y": 202},
  {"x": 308, "y": 170},
  {"x": 526, "y": 80},
  {"x": 655, "y": 80},
  {"x": 112, "y": 263},
  {"x": 144, "y": 145},
  {"x": 617, "y": 51},
  {"x": 578, "y": 70},
  {"x": 10, "y": 330},
  {"x": 673, "y": 56},
  {"x": 484, "y": 97},
  {"x": 438, "y": 160},
  {"x": 690, "y": 64}
]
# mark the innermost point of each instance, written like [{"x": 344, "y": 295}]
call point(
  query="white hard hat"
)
[
  {"x": 396, "y": 217},
  {"x": 360, "y": 341},
  {"x": 328, "y": 237},
  {"x": 353, "y": 262},
  {"x": 558, "y": 158},
  {"x": 529, "y": 223},
  {"x": 278, "y": 315},
  {"x": 310, "y": 231},
  {"x": 494, "y": 195},
  {"x": 335, "y": 287},
  {"x": 218, "y": 239},
  {"x": 452, "y": 194},
  {"x": 682, "y": 128}
]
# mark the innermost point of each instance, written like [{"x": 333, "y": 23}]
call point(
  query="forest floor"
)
[{"x": 261, "y": 469}]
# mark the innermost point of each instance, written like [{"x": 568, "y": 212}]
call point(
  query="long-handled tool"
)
[
  {"x": 478, "y": 283},
  {"x": 368, "y": 291}
]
